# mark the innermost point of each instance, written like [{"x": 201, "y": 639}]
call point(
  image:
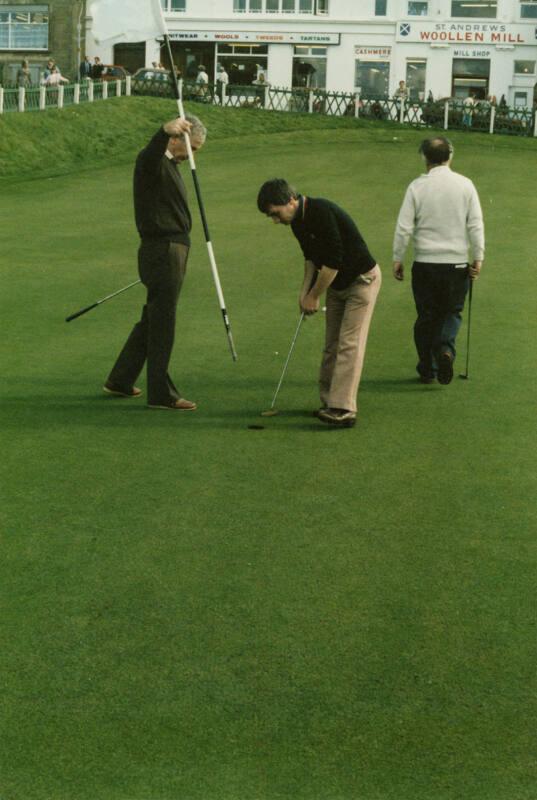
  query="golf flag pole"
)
[{"x": 193, "y": 170}]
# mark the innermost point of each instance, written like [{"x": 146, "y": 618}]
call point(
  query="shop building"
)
[
  {"x": 39, "y": 31},
  {"x": 450, "y": 48}
]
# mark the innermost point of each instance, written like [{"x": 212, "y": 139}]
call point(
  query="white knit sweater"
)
[{"x": 441, "y": 212}]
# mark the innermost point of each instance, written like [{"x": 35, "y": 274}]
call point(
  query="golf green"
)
[{"x": 195, "y": 610}]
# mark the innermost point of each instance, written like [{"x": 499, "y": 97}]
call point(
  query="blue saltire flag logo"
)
[{"x": 404, "y": 29}]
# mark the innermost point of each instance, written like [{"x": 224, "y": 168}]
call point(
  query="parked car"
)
[
  {"x": 111, "y": 72},
  {"x": 153, "y": 82}
]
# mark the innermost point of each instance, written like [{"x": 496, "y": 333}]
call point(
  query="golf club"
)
[
  {"x": 464, "y": 375},
  {"x": 98, "y": 303},
  {"x": 272, "y": 411}
]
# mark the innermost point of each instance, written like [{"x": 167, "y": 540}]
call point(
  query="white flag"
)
[{"x": 126, "y": 20}]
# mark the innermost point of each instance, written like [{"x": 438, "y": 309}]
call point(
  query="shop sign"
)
[
  {"x": 231, "y": 37},
  {"x": 372, "y": 53},
  {"x": 475, "y": 53},
  {"x": 469, "y": 33}
]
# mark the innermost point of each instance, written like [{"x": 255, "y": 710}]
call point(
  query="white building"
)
[{"x": 447, "y": 47}]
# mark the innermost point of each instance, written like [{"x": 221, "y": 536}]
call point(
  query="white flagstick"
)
[{"x": 192, "y": 163}]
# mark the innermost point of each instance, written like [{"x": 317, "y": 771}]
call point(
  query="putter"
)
[
  {"x": 272, "y": 411},
  {"x": 98, "y": 303},
  {"x": 464, "y": 375}
]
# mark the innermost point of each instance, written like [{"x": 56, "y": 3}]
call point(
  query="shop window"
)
[
  {"x": 381, "y": 8},
  {"x": 243, "y": 63},
  {"x": 24, "y": 27},
  {"x": 305, "y": 6},
  {"x": 239, "y": 6},
  {"x": 255, "y": 6},
  {"x": 418, "y": 9},
  {"x": 485, "y": 9},
  {"x": 272, "y": 6},
  {"x": 288, "y": 6},
  {"x": 372, "y": 79},
  {"x": 415, "y": 78},
  {"x": 309, "y": 67},
  {"x": 321, "y": 6},
  {"x": 521, "y": 100},
  {"x": 528, "y": 9},
  {"x": 524, "y": 67}
]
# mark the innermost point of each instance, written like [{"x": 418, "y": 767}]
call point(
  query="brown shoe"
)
[
  {"x": 177, "y": 405},
  {"x": 110, "y": 388}
]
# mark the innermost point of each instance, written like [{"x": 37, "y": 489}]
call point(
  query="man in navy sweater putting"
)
[{"x": 338, "y": 262}]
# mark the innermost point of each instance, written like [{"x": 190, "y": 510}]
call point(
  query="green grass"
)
[{"x": 196, "y": 611}]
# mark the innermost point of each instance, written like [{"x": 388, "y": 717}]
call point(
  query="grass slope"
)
[{"x": 196, "y": 611}]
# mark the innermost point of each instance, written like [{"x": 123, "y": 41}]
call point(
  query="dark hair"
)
[
  {"x": 437, "y": 150},
  {"x": 276, "y": 192}
]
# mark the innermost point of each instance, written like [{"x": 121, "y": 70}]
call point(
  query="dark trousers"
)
[
  {"x": 162, "y": 267},
  {"x": 439, "y": 293}
]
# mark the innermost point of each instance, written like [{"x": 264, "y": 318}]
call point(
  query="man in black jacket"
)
[
  {"x": 163, "y": 221},
  {"x": 338, "y": 262}
]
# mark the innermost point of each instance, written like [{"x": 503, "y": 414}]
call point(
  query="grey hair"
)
[{"x": 198, "y": 129}]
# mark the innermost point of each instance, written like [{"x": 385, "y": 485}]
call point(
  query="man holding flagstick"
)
[
  {"x": 133, "y": 21},
  {"x": 163, "y": 221}
]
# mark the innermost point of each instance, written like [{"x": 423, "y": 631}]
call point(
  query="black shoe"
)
[
  {"x": 338, "y": 417},
  {"x": 445, "y": 368},
  {"x": 427, "y": 379}
]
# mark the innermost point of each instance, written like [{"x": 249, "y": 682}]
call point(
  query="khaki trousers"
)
[{"x": 348, "y": 316}]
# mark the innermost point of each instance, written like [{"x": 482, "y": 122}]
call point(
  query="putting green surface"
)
[{"x": 195, "y": 610}]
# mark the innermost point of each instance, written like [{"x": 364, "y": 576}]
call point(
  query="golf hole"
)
[{"x": 256, "y": 427}]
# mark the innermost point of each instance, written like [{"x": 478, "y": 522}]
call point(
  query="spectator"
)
[
  {"x": 260, "y": 83},
  {"x": 468, "y": 110},
  {"x": 55, "y": 78},
  {"x": 97, "y": 69},
  {"x": 48, "y": 69},
  {"x": 402, "y": 92},
  {"x": 84, "y": 69},
  {"x": 202, "y": 81},
  {"x": 24, "y": 77},
  {"x": 222, "y": 80}
]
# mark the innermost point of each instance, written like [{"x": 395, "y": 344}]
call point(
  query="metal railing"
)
[
  {"x": 40, "y": 98},
  {"x": 448, "y": 113}
]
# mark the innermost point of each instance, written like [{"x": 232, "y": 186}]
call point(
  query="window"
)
[
  {"x": 288, "y": 6},
  {"x": 309, "y": 67},
  {"x": 418, "y": 9},
  {"x": 272, "y": 6},
  {"x": 372, "y": 79},
  {"x": 173, "y": 5},
  {"x": 24, "y": 28},
  {"x": 239, "y": 6},
  {"x": 528, "y": 9},
  {"x": 243, "y": 63},
  {"x": 305, "y": 6},
  {"x": 415, "y": 78},
  {"x": 255, "y": 6},
  {"x": 321, "y": 6},
  {"x": 381, "y": 8},
  {"x": 524, "y": 67},
  {"x": 476, "y": 8},
  {"x": 521, "y": 100}
]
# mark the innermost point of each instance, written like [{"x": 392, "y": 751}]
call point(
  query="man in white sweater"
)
[{"x": 442, "y": 214}]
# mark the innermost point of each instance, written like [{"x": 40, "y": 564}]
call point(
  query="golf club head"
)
[
  {"x": 463, "y": 377},
  {"x": 271, "y": 412}
]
